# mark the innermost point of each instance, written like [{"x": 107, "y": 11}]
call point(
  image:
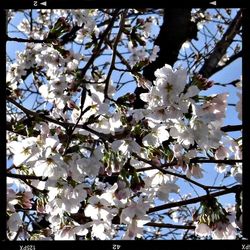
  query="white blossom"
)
[
  {"x": 224, "y": 231},
  {"x": 202, "y": 230},
  {"x": 14, "y": 222},
  {"x": 156, "y": 136},
  {"x": 221, "y": 153},
  {"x": 165, "y": 189},
  {"x": 126, "y": 146},
  {"x": 170, "y": 83},
  {"x": 24, "y": 150},
  {"x": 99, "y": 208}
]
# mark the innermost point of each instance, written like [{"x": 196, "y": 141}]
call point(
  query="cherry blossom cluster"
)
[
  {"x": 217, "y": 222},
  {"x": 97, "y": 165}
]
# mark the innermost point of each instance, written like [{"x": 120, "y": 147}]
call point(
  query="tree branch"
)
[
  {"x": 231, "y": 128},
  {"x": 23, "y": 40},
  {"x": 112, "y": 64},
  {"x": 194, "y": 160},
  {"x": 34, "y": 188},
  {"x": 67, "y": 37},
  {"x": 230, "y": 60},
  {"x": 26, "y": 177},
  {"x": 221, "y": 47},
  {"x": 234, "y": 189},
  {"x": 233, "y": 83},
  {"x": 168, "y": 225},
  {"x": 175, "y": 30},
  {"x": 63, "y": 124},
  {"x": 99, "y": 45},
  {"x": 110, "y": 137},
  {"x": 228, "y": 161},
  {"x": 182, "y": 176}
]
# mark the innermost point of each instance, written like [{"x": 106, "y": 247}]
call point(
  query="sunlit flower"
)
[
  {"x": 156, "y": 136},
  {"x": 170, "y": 83},
  {"x": 51, "y": 166},
  {"x": 66, "y": 233},
  {"x": 102, "y": 230},
  {"x": 183, "y": 133},
  {"x": 24, "y": 150},
  {"x": 221, "y": 153},
  {"x": 213, "y": 109},
  {"x": 99, "y": 208},
  {"x": 224, "y": 231},
  {"x": 126, "y": 146},
  {"x": 195, "y": 170},
  {"x": 202, "y": 230}
]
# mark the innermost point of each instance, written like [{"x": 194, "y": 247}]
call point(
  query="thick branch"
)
[
  {"x": 229, "y": 61},
  {"x": 221, "y": 47},
  {"x": 231, "y": 128},
  {"x": 175, "y": 30}
]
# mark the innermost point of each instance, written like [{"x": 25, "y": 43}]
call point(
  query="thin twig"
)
[
  {"x": 167, "y": 225},
  {"x": 112, "y": 63},
  {"x": 26, "y": 177},
  {"x": 184, "y": 177},
  {"x": 63, "y": 124},
  {"x": 99, "y": 45},
  {"x": 34, "y": 188},
  {"x": 210, "y": 64},
  {"x": 23, "y": 40}
]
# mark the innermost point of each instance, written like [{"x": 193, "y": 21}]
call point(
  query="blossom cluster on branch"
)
[{"x": 85, "y": 163}]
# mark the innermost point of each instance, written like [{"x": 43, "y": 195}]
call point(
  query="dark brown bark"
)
[
  {"x": 175, "y": 30},
  {"x": 211, "y": 63}
]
